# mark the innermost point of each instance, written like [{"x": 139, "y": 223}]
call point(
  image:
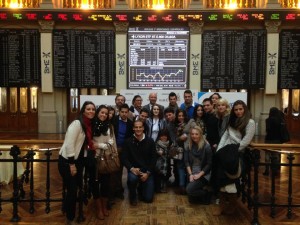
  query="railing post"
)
[
  {"x": 31, "y": 155},
  {"x": 290, "y": 157},
  {"x": 255, "y": 186},
  {"x": 48, "y": 155},
  {"x": 273, "y": 169},
  {"x": 15, "y": 152}
]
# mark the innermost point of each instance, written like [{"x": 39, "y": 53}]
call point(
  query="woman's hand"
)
[
  {"x": 198, "y": 175},
  {"x": 191, "y": 178},
  {"x": 135, "y": 171},
  {"x": 73, "y": 169}
]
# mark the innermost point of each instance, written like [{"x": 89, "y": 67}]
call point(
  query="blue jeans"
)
[
  {"x": 146, "y": 189},
  {"x": 181, "y": 173}
]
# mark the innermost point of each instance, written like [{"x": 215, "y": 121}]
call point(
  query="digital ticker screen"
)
[{"x": 158, "y": 57}]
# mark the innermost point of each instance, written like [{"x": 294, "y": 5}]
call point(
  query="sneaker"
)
[{"x": 231, "y": 188}]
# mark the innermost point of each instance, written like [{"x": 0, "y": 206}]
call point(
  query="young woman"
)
[
  {"x": 182, "y": 128},
  {"x": 111, "y": 113},
  {"x": 155, "y": 122},
  {"x": 222, "y": 113},
  {"x": 240, "y": 130},
  {"x": 215, "y": 97},
  {"x": 78, "y": 141},
  {"x": 198, "y": 118},
  {"x": 103, "y": 136},
  {"x": 198, "y": 159}
]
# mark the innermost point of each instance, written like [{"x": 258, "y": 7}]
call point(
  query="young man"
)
[
  {"x": 173, "y": 102},
  {"x": 123, "y": 130},
  {"x": 188, "y": 104},
  {"x": 139, "y": 157},
  {"x": 211, "y": 123},
  {"x": 144, "y": 115}
]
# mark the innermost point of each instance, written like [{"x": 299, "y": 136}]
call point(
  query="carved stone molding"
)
[
  {"x": 272, "y": 26},
  {"x": 46, "y": 26},
  {"x": 121, "y": 27},
  {"x": 196, "y": 27}
]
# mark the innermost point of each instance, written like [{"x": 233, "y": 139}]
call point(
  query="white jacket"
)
[{"x": 74, "y": 140}]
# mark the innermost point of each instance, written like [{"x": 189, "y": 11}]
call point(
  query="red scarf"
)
[{"x": 88, "y": 133}]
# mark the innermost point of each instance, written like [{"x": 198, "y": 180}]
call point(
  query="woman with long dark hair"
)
[
  {"x": 78, "y": 140},
  {"x": 239, "y": 132},
  {"x": 103, "y": 136},
  {"x": 182, "y": 128}
]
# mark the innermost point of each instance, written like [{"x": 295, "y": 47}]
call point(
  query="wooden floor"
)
[{"x": 167, "y": 208}]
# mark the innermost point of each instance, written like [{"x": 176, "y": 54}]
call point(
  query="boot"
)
[
  {"x": 99, "y": 210},
  {"x": 104, "y": 206},
  {"x": 230, "y": 204}
]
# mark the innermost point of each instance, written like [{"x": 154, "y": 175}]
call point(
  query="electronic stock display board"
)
[
  {"x": 84, "y": 58},
  {"x": 233, "y": 59},
  {"x": 289, "y": 61},
  {"x": 20, "y": 63},
  {"x": 158, "y": 57}
]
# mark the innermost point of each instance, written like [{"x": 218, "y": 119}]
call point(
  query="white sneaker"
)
[{"x": 231, "y": 188}]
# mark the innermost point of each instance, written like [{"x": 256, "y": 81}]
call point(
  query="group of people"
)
[{"x": 155, "y": 143}]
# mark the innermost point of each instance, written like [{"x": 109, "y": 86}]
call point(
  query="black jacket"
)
[{"x": 139, "y": 154}]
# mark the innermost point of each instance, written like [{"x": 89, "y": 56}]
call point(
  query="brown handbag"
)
[{"x": 108, "y": 160}]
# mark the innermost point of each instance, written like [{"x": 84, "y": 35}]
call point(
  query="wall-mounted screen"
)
[
  {"x": 289, "y": 60},
  {"x": 158, "y": 57}
]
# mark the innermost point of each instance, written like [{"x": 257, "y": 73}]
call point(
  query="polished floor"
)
[{"x": 167, "y": 208}]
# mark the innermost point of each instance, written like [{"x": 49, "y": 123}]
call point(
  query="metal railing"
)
[
  {"x": 18, "y": 182},
  {"x": 252, "y": 183}
]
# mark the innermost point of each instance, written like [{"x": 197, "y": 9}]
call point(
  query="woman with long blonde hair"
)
[{"x": 198, "y": 160}]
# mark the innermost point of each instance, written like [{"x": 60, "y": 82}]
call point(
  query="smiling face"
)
[
  {"x": 89, "y": 111},
  {"x": 200, "y": 111},
  {"x": 138, "y": 102},
  {"x": 138, "y": 128},
  {"x": 180, "y": 117},
  {"x": 152, "y": 98},
  {"x": 195, "y": 135},
  {"x": 214, "y": 98},
  {"x": 208, "y": 107},
  {"x": 103, "y": 114},
  {"x": 188, "y": 98},
  {"x": 173, "y": 100},
  {"x": 155, "y": 111},
  {"x": 221, "y": 107}
]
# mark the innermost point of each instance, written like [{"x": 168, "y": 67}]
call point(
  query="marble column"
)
[
  {"x": 272, "y": 56},
  {"x": 121, "y": 55},
  {"x": 196, "y": 29}
]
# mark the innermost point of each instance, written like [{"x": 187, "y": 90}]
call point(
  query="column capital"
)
[
  {"x": 196, "y": 27},
  {"x": 121, "y": 27},
  {"x": 272, "y": 26},
  {"x": 46, "y": 26}
]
